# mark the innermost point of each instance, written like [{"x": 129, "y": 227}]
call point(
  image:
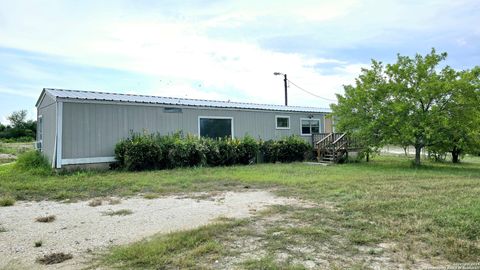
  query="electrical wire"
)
[{"x": 308, "y": 92}]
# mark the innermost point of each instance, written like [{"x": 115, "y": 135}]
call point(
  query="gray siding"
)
[
  {"x": 93, "y": 129},
  {"x": 47, "y": 109}
]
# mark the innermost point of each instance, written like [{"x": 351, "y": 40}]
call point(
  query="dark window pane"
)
[
  {"x": 315, "y": 129},
  {"x": 282, "y": 122},
  {"x": 305, "y": 127},
  {"x": 215, "y": 128}
]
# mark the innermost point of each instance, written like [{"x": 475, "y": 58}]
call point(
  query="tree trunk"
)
[
  {"x": 368, "y": 156},
  {"x": 455, "y": 155},
  {"x": 418, "y": 151}
]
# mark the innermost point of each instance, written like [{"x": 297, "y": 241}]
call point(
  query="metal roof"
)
[{"x": 118, "y": 97}]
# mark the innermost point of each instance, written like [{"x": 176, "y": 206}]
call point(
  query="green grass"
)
[
  {"x": 7, "y": 201},
  {"x": 179, "y": 250},
  {"x": 429, "y": 212},
  {"x": 15, "y": 148}
]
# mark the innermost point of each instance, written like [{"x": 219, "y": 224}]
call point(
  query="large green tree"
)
[
  {"x": 404, "y": 103},
  {"x": 459, "y": 131}
]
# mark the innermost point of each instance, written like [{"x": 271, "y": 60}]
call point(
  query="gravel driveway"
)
[{"x": 79, "y": 228}]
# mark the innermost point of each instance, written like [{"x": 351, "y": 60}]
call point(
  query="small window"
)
[
  {"x": 172, "y": 110},
  {"x": 282, "y": 122},
  {"x": 310, "y": 126},
  {"x": 215, "y": 127}
]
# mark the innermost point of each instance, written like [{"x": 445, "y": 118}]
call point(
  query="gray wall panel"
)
[
  {"x": 93, "y": 129},
  {"x": 47, "y": 109}
]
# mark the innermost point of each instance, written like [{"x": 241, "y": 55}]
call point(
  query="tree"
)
[
  {"x": 400, "y": 103},
  {"x": 459, "y": 132},
  {"x": 18, "y": 118}
]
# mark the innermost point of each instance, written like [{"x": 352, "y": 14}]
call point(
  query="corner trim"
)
[{"x": 59, "y": 134}]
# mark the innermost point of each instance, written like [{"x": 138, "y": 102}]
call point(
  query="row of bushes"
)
[{"x": 153, "y": 151}]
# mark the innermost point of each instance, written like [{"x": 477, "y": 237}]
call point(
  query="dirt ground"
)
[{"x": 81, "y": 229}]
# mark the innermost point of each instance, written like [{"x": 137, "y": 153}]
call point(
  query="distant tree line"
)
[
  {"x": 19, "y": 129},
  {"x": 414, "y": 102}
]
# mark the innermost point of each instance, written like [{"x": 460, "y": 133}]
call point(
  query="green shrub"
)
[
  {"x": 186, "y": 152},
  {"x": 33, "y": 162},
  {"x": 288, "y": 149},
  {"x": 146, "y": 151},
  {"x": 142, "y": 153},
  {"x": 269, "y": 150},
  {"x": 213, "y": 156},
  {"x": 247, "y": 150}
]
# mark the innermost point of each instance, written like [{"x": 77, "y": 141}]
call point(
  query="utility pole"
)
[
  {"x": 286, "y": 95},
  {"x": 285, "y": 81}
]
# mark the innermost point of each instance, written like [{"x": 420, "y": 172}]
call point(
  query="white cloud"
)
[{"x": 173, "y": 42}]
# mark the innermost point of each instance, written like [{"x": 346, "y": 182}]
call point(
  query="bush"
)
[
  {"x": 141, "y": 152},
  {"x": 288, "y": 149},
  {"x": 33, "y": 162}
]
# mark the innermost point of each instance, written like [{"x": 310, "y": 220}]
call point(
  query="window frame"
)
[
  {"x": 310, "y": 119},
  {"x": 282, "y": 116},
  {"x": 232, "y": 125}
]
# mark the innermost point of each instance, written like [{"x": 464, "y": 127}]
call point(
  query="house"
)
[{"x": 83, "y": 127}]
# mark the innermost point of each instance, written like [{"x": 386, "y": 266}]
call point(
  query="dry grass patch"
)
[
  {"x": 113, "y": 201},
  {"x": 121, "y": 212},
  {"x": 7, "y": 201},
  {"x": 46, "y": 219},
  {"x": 150, "y": 196},
  {"x": 95, "y": 202},
  {"x": 54, "y": 258}
]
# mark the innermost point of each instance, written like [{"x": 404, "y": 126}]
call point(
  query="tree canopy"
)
[
  {"x": 415, "y": 101},
  {"x": 20, "y": 129}
]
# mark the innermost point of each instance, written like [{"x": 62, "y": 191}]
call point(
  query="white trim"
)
[
  {"x": 309, "y": 134},
  {"x": 39, "y": 117},
  {"x": 89, "y": 101},
  {"x": 74, "y": 161},
  {"x": 59, "y": 134},
  {"x": 217, "y": 117},
  {"x": 324, "y": 123},
  {"x": 282, "y": 116}
]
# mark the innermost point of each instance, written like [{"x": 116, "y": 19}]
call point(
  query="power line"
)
[{"x": 313, "y": 94}]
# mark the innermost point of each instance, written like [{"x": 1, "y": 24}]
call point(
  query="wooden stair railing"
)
[{"x": 332, "y": 147}]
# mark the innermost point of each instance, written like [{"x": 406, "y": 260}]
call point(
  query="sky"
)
[{"x": 222, "y": 50}]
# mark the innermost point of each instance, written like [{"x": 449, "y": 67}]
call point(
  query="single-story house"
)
[{"x": 83, "y": 127}]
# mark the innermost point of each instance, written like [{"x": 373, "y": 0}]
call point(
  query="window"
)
[
  {"x": 282, "y": 122},
  {"x": 310, "y": 126},
  {"x": 215, "y": 127},
  {"x": 39, "y": 132}
]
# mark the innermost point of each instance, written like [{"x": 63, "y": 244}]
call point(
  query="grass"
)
[
  {"x": 7, "y": 201},
  {"x": 429, "y": 213},
  {"x": 46, "y": 219},
  {"x": 121, "y": 212},
  {"x": 54, "y": 258},
  {"x": 15, "y": 148},
  {"x": 180, "y": 250}
]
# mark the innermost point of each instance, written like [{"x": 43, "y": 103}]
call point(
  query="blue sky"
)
[{"x": 224, "y": 50}]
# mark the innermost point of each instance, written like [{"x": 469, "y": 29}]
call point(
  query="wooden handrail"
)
[
  {"x": 339, "y": 138},
  {"x": 324, "y": 138}
]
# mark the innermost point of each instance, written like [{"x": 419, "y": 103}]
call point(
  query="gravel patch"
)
[{"x": 80, "y": 229}]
